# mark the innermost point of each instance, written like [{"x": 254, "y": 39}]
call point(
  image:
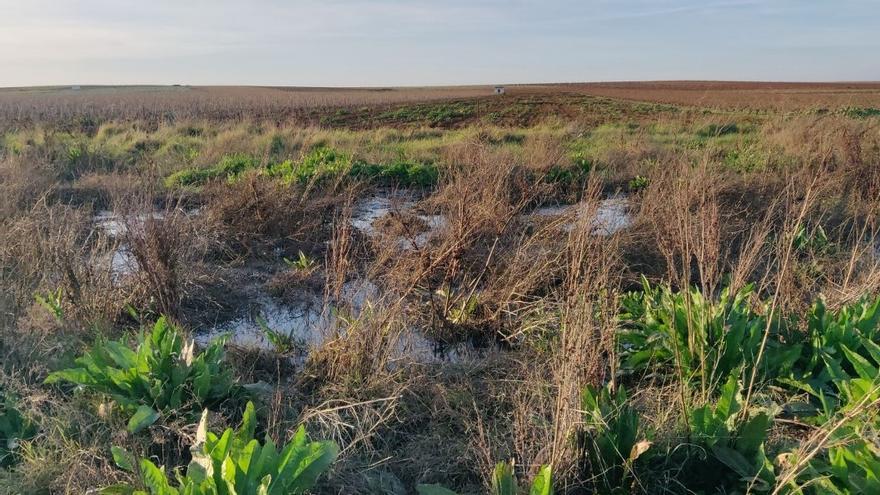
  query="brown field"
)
[
  {"x": 729, "y": 94},
  {"x": 308, "y": 105}
]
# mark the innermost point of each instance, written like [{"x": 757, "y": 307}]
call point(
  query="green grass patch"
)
[{"x": 231, "y": 167}]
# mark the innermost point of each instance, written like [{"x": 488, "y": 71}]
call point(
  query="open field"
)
[
  {"x": 360, "y": 107},
  {"x": 625, "y": 288}
]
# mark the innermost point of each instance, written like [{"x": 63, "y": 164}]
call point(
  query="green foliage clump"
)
[
  {"x": 320, "y": 163},
  {"x": 14, "y": 427},
  {"x": 612, "y": 440},
  {"x": 732, "y": 447},
  {"x": 284, "y": 343},
  {"x": 861, "y": 112},
  {"x": 845, "y": 470},
  {"x": 839, "y": 359},
  {"x": 433, "y": 114},
  {"x": 231, "y": 167},
  {"x": 163, "y": 374},
  {"x": 236, "y": 463},
  {"x": 303, "y": 262},
  {"x": 399, "y": 173},
  {"x": 637, "y": 183},
  {"x": 703, "y": 340}
]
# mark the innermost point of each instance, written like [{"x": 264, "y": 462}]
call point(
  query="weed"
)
[
  {"x": 734, "y": 448},
  {"x": 637, "y": 183},
  {"x": 236, "y": 463},
  {"x": 52, "y": 301},
  {"x": 612, "y": 440},
  {"x": 283, "y": 343},
  {"x": 162, "y": 374},
  {"x": 303, "y": 262}
]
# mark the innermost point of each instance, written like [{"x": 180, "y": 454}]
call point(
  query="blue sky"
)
[{"x": 416, "y": 42}]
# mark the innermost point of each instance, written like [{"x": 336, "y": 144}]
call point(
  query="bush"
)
[
  {"x": 404, "y": 174},
  {"x": 163, "y": 374},
  {"x": 320, "y": 163}
]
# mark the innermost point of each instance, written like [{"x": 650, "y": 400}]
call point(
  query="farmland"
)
[{"x": 654, "y": 287}]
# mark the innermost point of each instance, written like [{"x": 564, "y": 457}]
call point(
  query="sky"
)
[{"x": 439, "y": 42}]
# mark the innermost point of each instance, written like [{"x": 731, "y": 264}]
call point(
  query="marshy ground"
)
[{"x": 650, "y": 289}]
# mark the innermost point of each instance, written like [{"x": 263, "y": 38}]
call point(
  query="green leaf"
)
[
  {"x": 123, "y": 459},
  {"x": 753, "y": 433},
  {"x": 248, "y": 424},
  {"x": 734, "y": 460},
  {"x": 861, "y": 365},
  {"x": 142, "y": 418},
  {"x": 155, "y": 479},
  {"x": 503, "y": 480},
  {"x": 543, "y": 483}
]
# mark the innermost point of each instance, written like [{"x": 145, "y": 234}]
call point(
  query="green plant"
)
[
  {"x": 14, "y": 427},
  {"x": 457, "y": 308},
  {"x": 52, "y": 301},
  {"x": 318, "y": 164},
  {"x": 303, "y": 262},
  {"x": 701, "y": 339},
  {"x": 838, "y": 361},
  {"x": 163, "y": 374},
  {"x": 851, "y": 469},
  {"x": 283, "y": 343},
  {"x": 398, "y": 173},
  {"x": 234, "y": 463},
  {"x": 611, "y": 440},
  {"x": 504, "y": 483},
  {"x": 812, "y": 242},
  {"x": 732, "y": 448},
  {"x": 231, "y": 167},
  {"x": 637, "y": 183}
]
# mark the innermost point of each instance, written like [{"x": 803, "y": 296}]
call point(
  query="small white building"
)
[
  {"x": 499, "y": 90},
  {"x": 75, "y": 87}
]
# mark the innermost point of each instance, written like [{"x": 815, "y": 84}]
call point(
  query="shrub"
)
[
  {"x": 236, "y": 463},
  {"x": 163, "y": 374},
  {"x": 839, "y": 361},
  {"x": 850, "y": 469}
]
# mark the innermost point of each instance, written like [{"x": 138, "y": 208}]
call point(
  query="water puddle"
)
[
  {"x": 611, "y": 217},
  {"x": 311, "y": 321},
  {"x": 121, "y": 261},
  {"x": 369, "y": 211}
]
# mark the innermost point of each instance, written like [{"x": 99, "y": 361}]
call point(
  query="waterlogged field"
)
[{"x": 632, "y": 288}]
